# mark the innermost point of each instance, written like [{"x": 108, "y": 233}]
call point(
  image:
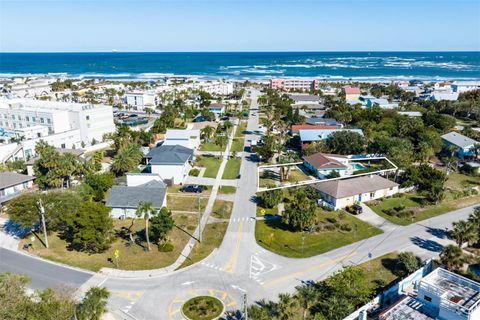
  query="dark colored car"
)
[
  {"x": 355, "y": 209},
  {"x": 193, "y": 188}
]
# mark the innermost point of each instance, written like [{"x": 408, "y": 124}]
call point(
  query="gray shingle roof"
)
[
  {"x": 8, "y": 179},
  {"x": 130, "y": 197},
  {"x": 304, "y": 97},
  {"x": 173, "y": 154},
  {"x": 459, "y": 139},
  {"x": 349, "y": 187}
]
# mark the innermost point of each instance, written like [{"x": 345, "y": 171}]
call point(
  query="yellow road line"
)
[
  {"x": 232, "y": 263},
  {"x": 232, "y": 303},
  {"x": 310, "y": 269}
]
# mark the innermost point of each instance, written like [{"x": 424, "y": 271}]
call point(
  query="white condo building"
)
[
  {"x": 70, "y": 125},
  {"x": 140, "y": 100}
]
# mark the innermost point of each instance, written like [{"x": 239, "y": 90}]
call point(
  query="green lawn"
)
[
  {"x": 237, "y": 144},
  {"x": 267, "y": 178},
  {"x": 132, "y": 257},
  {"x": 332, "y": 234},
  {"x": 266, "y": 211},
  {"x": 297, "y": 175},
  {"x": 232, "y": 168},
  {"x": 240, "y": 129},
  {"x": 411, "y": 202},
  {"x": 458, "y": 181},
  {"x": 226, "y": 190},
  {"x": 211, "y": 163},
  {"x": 211, "y": 146},
  {"x": 222, "y": 209},
  {"x": 212, "y": 237},
  {"x": 381, "y": 272}
]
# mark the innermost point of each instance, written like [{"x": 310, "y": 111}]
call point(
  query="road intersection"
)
[{"x": 240, "y": 265}]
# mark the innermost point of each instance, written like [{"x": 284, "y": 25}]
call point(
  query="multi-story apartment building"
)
[
  {"x": 294, "y": 84},
  {"x": 141, "y": 100},
  {"x": 69, "y": 124}
]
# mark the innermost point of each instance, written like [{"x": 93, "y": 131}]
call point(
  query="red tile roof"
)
[{"x": 351, "y": 90}]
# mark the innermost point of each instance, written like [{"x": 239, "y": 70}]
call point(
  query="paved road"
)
[
  {"x": 44, "y": 274},
  {"x": 240, "y": 264}
]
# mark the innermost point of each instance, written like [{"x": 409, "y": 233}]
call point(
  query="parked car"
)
[
  {"x": 194, "y": 188},
  {"x": 355, "y": 209}
]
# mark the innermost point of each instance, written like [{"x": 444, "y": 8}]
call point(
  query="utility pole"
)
[
  {"x": 42, "y": 215},
  {"x": 199, "y": 220}
]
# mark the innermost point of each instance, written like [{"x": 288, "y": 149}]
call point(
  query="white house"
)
[
  {"x": 464, "y": 86},
  {"x": 140, "y": 188},
  {"x": 341, "y": 193},
  {"x": 12, "y": 184},
  {"x": 170, "y": 162},
  {"x": 324, "y": 164},
  {"x": 439, "y": 96},
  {"x": 189, "y": 138},
  {"x": 140, "y": 100}
]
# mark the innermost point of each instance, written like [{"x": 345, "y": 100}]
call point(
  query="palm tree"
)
[
  {"x": 207, "y": 132},
  {"x": 460, "y": 231},
  {"x": 94, "y": 305},
  {"x": 221, "y": 141},
  {"x": 474, "y": 218},
  {"x": 146, "y": 211},
  {"x": 286, "y": 308},
  {"x": 452, "y": 257},
  {"x": 307, "y": 296}
]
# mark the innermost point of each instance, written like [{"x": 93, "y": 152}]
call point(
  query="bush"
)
[
  {"x": 399, "y": 208},
  {"x": 405, "y": 214},
  {"x": 345, "y": 227},
  {"x": 342, "y": 215},
  {"x": 194, "y": 172},
  {"x": 332, "y": 220},
  {"x": 329, "y": 227},
  {"x": 166, "y": 247}
]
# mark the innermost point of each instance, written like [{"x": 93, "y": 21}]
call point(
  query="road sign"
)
[
  {"x": 116, "y": 253},
  {"x": 262, "y": 211}
]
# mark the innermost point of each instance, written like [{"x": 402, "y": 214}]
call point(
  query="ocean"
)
[{"x": 362, "y": 66}]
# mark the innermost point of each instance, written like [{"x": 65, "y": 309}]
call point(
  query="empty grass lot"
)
[
  {"x": 382, "y": 270},
  {"x": 211, "y": 146},
  {"x": 227, "y": 190},
  {"x": 186, "y": 202},
  {"x": 289, "y": 244},
  {"x": 222, "y": 209},
  {"x": 232, "y": 168},
  {"x": 212, "y": 237},
  {"x": 211, "y": 164},
  {"x": 132, "y": 257}
]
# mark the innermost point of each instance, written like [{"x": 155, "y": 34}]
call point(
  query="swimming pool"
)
[{"x": 357, "y": 166}]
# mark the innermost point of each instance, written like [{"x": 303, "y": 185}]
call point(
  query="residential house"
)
[
  {"x": 308, "y": 136},
  {"x": 351, "y": 93},
  {"x": 170, "y": 162},
  {"x": 341, "y": 193},
  {"x": 463, "y": 146},
  {"x": 448, "y": 96},
  {"x": 217, "y": 108},
  {"x": 302, "y": 99},
  {"x": 189, "y": 138},
  {"x": 464, "y": 86},
  {"x": 323, "y": 122},
  {"x": 12, "y": 184},
  {"x": 297, "y": 127},
  {"x": 140, "y": 188},
  {"x": 382, "y": 103},
  {"x": 322, "y": 165}
]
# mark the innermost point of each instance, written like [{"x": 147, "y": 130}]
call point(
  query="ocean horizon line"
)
[{"x": 250, "y": 51}]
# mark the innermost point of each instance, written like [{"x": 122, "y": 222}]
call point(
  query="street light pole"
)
[
  {"x": 245, "y": 309},
  {"x": 303, "y": 242},
  {"x": 42, "y": 215}
]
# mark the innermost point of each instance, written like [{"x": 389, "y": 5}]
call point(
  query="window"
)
[
  {"x": 33, "y": 119},
  {"x": 49, "y": 121},
  {"x": 372, "y": 194},
  {"x": 27, "y": 118},
  {"x": 42, "y": 120},
  {"x": 63, "y": 146},
  {"x": 87, "y": 117},
  {"x": 427, "y": 298}
]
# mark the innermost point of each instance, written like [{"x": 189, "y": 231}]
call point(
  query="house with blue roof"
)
[
  {"x": 463, "y": 146},
  {"x": 382, "y": 103},
  {"x": 309, "y": 136}
]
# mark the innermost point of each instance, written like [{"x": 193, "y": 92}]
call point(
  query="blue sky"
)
[{"x": 239, "y": 25}]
